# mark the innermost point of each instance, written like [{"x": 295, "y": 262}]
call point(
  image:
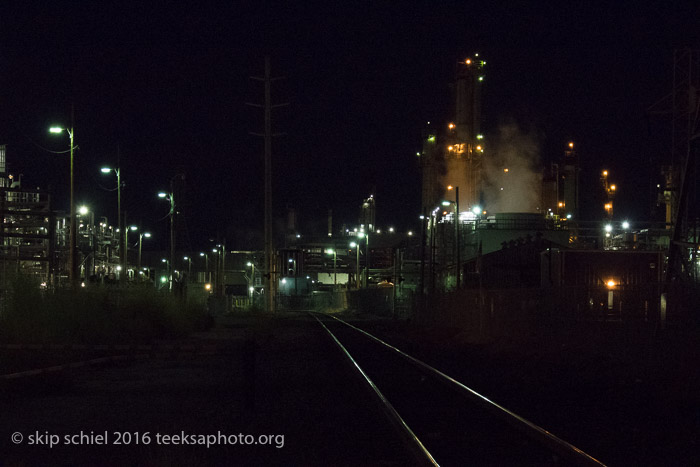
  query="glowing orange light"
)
[
  {"x": 478, "y": 148},
  {"x": 561, "y": 205},
  {"x": 610, "y": 283},
  {"x": 571, "y": 144},
  {"x": 613, "y": 187},
  {"x": 449, "y": 187},
  {"x": 451, "y": 126},
  {"x": 450, "y": 148},
  {"x": 608, "y": 206},
  {"x": 505, "y": 170},
  {"x": 468, "y": 61},
  {"x": 605, "y": 173}
]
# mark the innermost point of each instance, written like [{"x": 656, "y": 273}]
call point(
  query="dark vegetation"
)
[{"x": 99, "y": 315}]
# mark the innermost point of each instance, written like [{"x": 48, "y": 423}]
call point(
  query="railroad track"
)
[{"x": 440, "y": 420}]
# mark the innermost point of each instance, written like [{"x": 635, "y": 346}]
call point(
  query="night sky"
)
[{"x": 166, "y": 87}]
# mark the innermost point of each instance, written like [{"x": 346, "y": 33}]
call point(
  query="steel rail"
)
[
  {"x": 408, "y": 436},
  {"x": 535, "y": 432}
]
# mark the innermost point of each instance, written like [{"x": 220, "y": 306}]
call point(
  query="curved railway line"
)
[{"x": 440, "y": 420}]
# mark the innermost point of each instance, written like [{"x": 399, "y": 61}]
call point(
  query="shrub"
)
[{"x": 94, "y": 315}]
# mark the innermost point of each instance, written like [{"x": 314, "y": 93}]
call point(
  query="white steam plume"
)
[{"x": 512, "y": 178}]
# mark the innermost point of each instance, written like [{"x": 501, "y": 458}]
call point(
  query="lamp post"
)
[
  {"x": 251, "y": 281},
  {"x": 457, "y": 235},
  {"x": 251, "y": 265},
  {"x": 89, "y": 232},
  {"x": 356, "y": 246},
  {"x": 164, "y": 279},
  {"x": 122, "y": 254},
  {"x": 216, "y": 271},
  {"x": 125, "y": 266},
  {"x": 171, "y": 199},
  {"x": 335, "y": 257},
  {"x": 366, "y": 235},
  {"x": 189, "y": 266},
  {"x": 207, "y": 278},
  {"x": 71, "y": 259},
  {"x": 141, "y": 235}
]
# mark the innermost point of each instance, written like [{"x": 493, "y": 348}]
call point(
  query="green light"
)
[
  {"x": 479, "y": 136},
  {"x": 55, "y": 129},
  {"x": 481, "y": 78},
  {"x": 163, "y": 279},
  {"x": 431, "y": 138}
]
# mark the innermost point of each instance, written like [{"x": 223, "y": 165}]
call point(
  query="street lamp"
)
[
  {"x": 335, "y": 257},
  {"x": 251, "y": 281},
  {"x": 89, "y": 233},
  {"x": 458, "y": 255},
  {"x": 71, "y": 260},
  {"x": 134, "y": 228},
  {"x": 122, "y": 253},
  {"x": 171, "y": 199},
  {"x": 189, "y": 266},
  {"x": 141, "y": 235},
  {"x": 356, "y": 246},
  {"x": 207, "y": 278}
]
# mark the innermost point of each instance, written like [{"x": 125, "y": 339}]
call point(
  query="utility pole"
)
[
  {"x": 457, "y": 236},
  {"x": 270, "y": 253}
]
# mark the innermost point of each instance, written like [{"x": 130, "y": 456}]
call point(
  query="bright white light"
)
[
  {"x": 608, "y": 228},
  {"x": 467, "y": 216},
  {"x": 625, "y": 225},
  {"x": 568, "y": 216},
  {"x": 410, "y": 233},
  {"x": 284, "y": 281},
  {"x": 119, "y": 268},
  {"x": 162, "y": 195},
  {"x": 476, "y": 210},
  {"x": 82, "y": 210}
]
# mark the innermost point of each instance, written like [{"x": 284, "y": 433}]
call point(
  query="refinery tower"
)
[{"x": 451, "y": 159}]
